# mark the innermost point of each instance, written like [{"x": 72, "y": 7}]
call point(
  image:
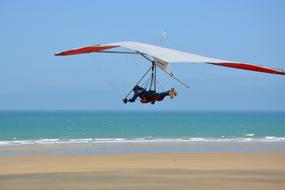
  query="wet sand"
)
[{"x": 144, "y": 171}]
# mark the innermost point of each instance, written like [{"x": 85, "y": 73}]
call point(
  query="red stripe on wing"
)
[
  {"x": 87, "y": 49},
  {"x": 251, "y": 68}
]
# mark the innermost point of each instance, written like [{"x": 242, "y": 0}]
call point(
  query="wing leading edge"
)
[
  {"x": 167, "y": 56},
  {"x": 87, "y": 49},
  {"x": 250, "y": 67}
]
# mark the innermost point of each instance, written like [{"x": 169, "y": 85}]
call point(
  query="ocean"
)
[{"x": 91, "y": 127}]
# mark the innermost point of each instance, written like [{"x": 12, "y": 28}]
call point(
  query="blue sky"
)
[{"x": 32, "y": 31}]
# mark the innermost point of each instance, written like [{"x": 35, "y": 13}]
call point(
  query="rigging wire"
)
[{"x": 139, "y": 81}]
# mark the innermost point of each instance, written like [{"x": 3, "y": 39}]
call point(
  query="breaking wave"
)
[{"x": 140, "y": 140}]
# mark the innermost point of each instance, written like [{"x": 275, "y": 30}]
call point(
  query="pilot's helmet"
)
[{"x": 136, "y": 87}]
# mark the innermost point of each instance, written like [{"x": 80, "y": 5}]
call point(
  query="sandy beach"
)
[{"x": 144, "y": 171}]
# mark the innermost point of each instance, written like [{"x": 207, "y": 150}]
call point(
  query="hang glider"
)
[{"x": 162, "y": 57}]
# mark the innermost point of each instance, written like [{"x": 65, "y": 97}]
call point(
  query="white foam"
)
[
  {"x": 47, "y": 141},
  {"x": 140, "y": 140},
  {"x": 274, "y": 139},
  {"x": 249, "y": 134},
  {"x": 4, "y": 143}
]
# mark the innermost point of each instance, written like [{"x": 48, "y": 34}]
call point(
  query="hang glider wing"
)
[
  {"x": 250, "y": 67},
  {"x": 163, "y": 56},
  {"x": 87, "y": 49}
]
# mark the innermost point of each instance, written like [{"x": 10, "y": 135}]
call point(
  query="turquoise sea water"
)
[{"x": 59, "y": 127}]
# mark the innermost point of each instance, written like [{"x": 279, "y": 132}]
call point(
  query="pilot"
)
[{"x": 150, "y": 96}]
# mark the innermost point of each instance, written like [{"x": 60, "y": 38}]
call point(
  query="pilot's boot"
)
[{"x": 125, "y": 100}]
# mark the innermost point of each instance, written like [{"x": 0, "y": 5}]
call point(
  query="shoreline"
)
[{"x": 144, "y": 147}]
